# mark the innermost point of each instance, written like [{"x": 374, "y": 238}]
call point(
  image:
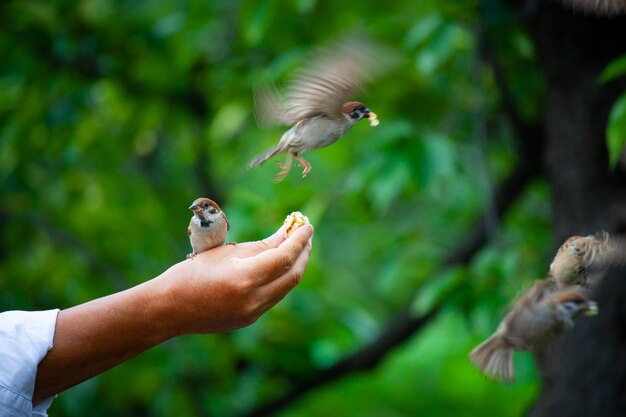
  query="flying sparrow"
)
[
  {"x": 316, "y": 102},
  {"x": 579, "y": 255},
  {"x": 536, "y": 316},
  {"x": 208, "y": 226}
]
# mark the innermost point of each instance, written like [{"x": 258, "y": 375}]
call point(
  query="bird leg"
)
[
  {"x": 303, "y": 164},
  {"x": 284, "y": 169}
]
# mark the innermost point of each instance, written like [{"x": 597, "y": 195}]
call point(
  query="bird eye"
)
[
  {"x": 205, "y": 205},
  {"x": 358, "y": 113}
]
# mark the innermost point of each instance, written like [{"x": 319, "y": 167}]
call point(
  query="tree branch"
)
[
  {"x": 530, "y": 139},
  {"x": 405, "y": 324}
]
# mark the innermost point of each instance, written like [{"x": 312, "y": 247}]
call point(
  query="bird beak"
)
[
  {"x": 371, "y": 116},
  {"x": 591, "y": 308},
  {"x": 195, "y": 208}
]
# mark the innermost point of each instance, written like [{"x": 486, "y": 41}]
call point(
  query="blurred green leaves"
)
[
  {"x": 616, "y": 126},
  {"x": 616, "y": 130},
  {"x": 615, "y": 69},
  {"x": 115, "y": 116}
]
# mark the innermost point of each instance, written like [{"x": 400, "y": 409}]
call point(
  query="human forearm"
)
[
  {"x": 96, "y": 336},
  {"x": 221, "y": 289}
]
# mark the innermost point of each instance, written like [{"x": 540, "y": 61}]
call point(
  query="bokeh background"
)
[{"x": 115, "y": 116}]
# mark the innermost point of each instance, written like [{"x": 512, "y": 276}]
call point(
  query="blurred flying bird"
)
[
  {"x": 536, "y": 316},
  {"x": 582, "y": 256},
  {"x": 597, "y": 7},
  {"x": 316, "y": 99}
]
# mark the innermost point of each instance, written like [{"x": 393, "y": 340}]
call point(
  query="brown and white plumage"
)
[
  {"x": 579, "y": 255},
  {"x": 537, "y": 315},
  {"x": 208, "y": 226},
  {"x": 316, "y": 101}
]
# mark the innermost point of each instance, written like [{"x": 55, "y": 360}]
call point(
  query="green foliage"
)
[
  {"x": 614, "y": 70},
  {"x": 616, "y": 126},
  {"x": 424, "y": 377},
  {"x": 616, "y": 130},
  {"x": 116, "y": 115}
]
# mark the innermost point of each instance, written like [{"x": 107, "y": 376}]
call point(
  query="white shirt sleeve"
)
[{"x": 25, "y": 338}]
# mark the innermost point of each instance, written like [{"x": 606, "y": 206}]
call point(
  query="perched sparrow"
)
[
  {"x": 208, "y": 226},
  {"x": 578, "y": 255},
  {"x": 316, "y": 102},
  {"x": 536, "y": 316}
]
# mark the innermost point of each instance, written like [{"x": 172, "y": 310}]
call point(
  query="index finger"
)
[{"x": 273, "y": 263}]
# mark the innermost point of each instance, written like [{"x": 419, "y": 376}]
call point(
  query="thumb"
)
[
  {"x": 254, "y": 248},
  {"x": 272, "y": 241},
  {"x": 278, "y": 237}
]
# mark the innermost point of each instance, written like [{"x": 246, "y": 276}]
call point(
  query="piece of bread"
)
[
  {"x": 373, "y": 118},
  {"x": 293, "y": 221}
]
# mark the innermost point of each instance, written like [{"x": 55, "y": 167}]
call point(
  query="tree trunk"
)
[
  {"x": 588, "y": 363},
  {"x": 584, "y": 372}
]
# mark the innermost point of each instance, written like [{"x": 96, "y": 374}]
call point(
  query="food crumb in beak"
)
[
  {"x": 373, "y": 119},
  {"x": 592, "y": 309}
]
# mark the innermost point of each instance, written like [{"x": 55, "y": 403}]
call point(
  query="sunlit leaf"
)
[
  {"x": 615, "y": 69},
  {"x": 616, "y": 130}
]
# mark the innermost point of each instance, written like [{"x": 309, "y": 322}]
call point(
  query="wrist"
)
[
  {"x": 166, "y": 310},
  {"x": 95, "y": 336}
]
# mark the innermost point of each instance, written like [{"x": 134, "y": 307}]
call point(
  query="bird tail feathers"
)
[
  {"x": 262, "y": 158},
  {"x": 494, "y": 358}
]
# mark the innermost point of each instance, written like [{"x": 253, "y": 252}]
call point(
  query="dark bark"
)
[
  {"x": 573, "y": 50},
  {"x": 584, "y": 371},
  {"x": 590, "y": 377}
]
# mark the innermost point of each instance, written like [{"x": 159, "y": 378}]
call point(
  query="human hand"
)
[
  {"x": 221, "y": 289},
  {"x": 231, "y": 286}
]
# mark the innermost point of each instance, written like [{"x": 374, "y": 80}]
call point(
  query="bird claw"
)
[
  {"x": 303, "y": 163},
  {"x": 306, "y": 170},
  {"x": 286, "y": 167},
  {"x": 191, "y": 255},
  {"x": 284, "y": 171}
]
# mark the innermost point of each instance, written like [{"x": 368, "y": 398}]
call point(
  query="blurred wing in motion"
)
[
  {"x": 268, "y": 106},
  {"x": 333, "y": 74},
  {"x": 597, "y": 7},
  {"x": 609, "y": 251}
]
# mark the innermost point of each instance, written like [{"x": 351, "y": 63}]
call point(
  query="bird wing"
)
[
  {"x": 334, "y": 73},
  {"x": 536, "y": 293},
  {"x": 598, "y": 7},
  {"x": 605, "y": 250},
  {"x": 533, "y": 296},
  {"x": 268, "y": 106}
]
